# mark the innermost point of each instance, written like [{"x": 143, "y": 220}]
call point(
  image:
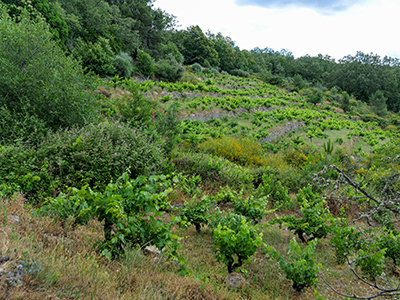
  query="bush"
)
[
  {"x": 39, "y": 85},
  {"x": 315, "y": 216},
  {"x": 92, "y": 155},
  {"x": 123, "y": 64},
  {"x": 196, "y": 213},
  {"x": 238, "y": 150},
  {"x": 196, "y": 68},
  {"x": 274, "y": 190},
  {"x": 299, "y": 265},
  {"x": 144, "y": 64},
  {"x": 234, "y": 237},
  {"x": 169, "y": 69},
  {"x": 251, "y": 207},
  {"x": 97, "y": 57}
]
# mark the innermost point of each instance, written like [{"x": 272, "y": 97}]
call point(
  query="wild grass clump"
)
[{"x": 238, "y": 150}]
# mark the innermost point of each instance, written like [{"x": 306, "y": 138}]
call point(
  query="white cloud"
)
[{"x": 368, "y": 27}]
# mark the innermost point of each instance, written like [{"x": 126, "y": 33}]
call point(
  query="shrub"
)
[
  {"x": 196, "y": 68},
  {"x": 315, "y": 216},
  {"x": 123, "y": 64},
  {"x": 144, "y": 64},
  {"x": 296, "y": 158},
  {"x": 196, "y": 213},
  {"x": 238, "y": 150},
  {"x": 251, "y": 207},
  {"x": 97, "y": 57},
  {"x": 299, "y": 265},
  {"x": 92, "y": 155},
  {"x": 274, "y": 190},
  {"x": 234, "y": 237},
  {"x": 169, "y": 69},
  {"x": 39, "y": 85}
]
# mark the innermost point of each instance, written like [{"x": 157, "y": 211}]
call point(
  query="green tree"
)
[
  {"x": 97, "y": 57},
  {"x": 144, "y": 64},
  {"x": 37, "y": 79},
  {"x": 50, "y": 11},
  {"x": 345, "y": 104},
  {"x": 378, "y": 103},
  {"x": 197, "y": 48}
]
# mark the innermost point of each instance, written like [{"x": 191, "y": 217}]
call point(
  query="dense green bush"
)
[
  {"x": 235, "y": 238},
  {"x": 144, "y": 64},
  {"x": 196, "y": 68},
  {"x": 97, "y": 57},
  {"x": 169, "y": 69},
  {"x": 315, "y": 217},
  {"x": 299, "y": 266},
  {"x": 92, "y": 155},
  {"x": 123, "y": 64},
  {"x": 39, "y": 85}
]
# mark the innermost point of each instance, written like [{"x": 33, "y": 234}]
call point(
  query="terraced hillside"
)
[{"x": 257, "y": 186}]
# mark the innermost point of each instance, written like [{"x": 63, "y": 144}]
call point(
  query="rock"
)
[
  {"x": 13, "y": 218},
  {"x": 235, "y": 281},
  {"x": 5, "y": 258},
  {"x": 1, "y": 272},
  {"x": 152, "y": 250}
]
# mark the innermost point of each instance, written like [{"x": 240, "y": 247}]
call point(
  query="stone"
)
[
  {"x": 13, "y": 218},
  {"x": 152, "y": 250},
  {"x": 235, "y": 281}
]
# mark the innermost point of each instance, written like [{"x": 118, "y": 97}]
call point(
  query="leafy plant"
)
[
  {"x": 299, "y": 264},
  {"x": 251, "y": 207},
  {"x": 130, "y": 210},
  {"x": 275, "y": 191},
  {"x": 235, "y": 241},
  {"x": 196, "y": 213},
  {"x": 315, "y": 216},
  {"x": 328, "y": 147}
]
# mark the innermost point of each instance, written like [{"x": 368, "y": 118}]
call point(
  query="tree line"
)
[{"x": 108, "y": 35}]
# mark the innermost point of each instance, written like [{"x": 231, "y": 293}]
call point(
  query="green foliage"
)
[
  {"x": 378, "y": 103},
  {"x": 169, "y": 69},
  {"x": 370, "y": 260},
  {"x": 315, "y": 216},
  {"x": 315, "y": 97},
  {"x": 390, "y": 241},
  {"x": 135, "y": 109},
  {"x": 39, "y": 83},
  {"x": 144, "y": 64},
  {"x": 197, "y": 48},
  {"x": 196, "y": 68},
  {"x": 345, "y": 102},
  {"x": 328, "y": 147},
  {"x": 97, "y": 57},
  {"x": 275, "y": 192},
  {"x": 169, "y": 127},
  {"x": 234, "y": 237},
  {"x": 345, "y": 240},
  {"x": 299, "y": 265},
  {"x": 196, "y": 213},
  {"x": 129, "y": 210},
  {"x": 123, "y": 64},
  {"x": 92, "y": 155},
  {"x": 251, "y": 207}
]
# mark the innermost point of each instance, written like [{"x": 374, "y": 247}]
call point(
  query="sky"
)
[{"x": 329, "y": 27}]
